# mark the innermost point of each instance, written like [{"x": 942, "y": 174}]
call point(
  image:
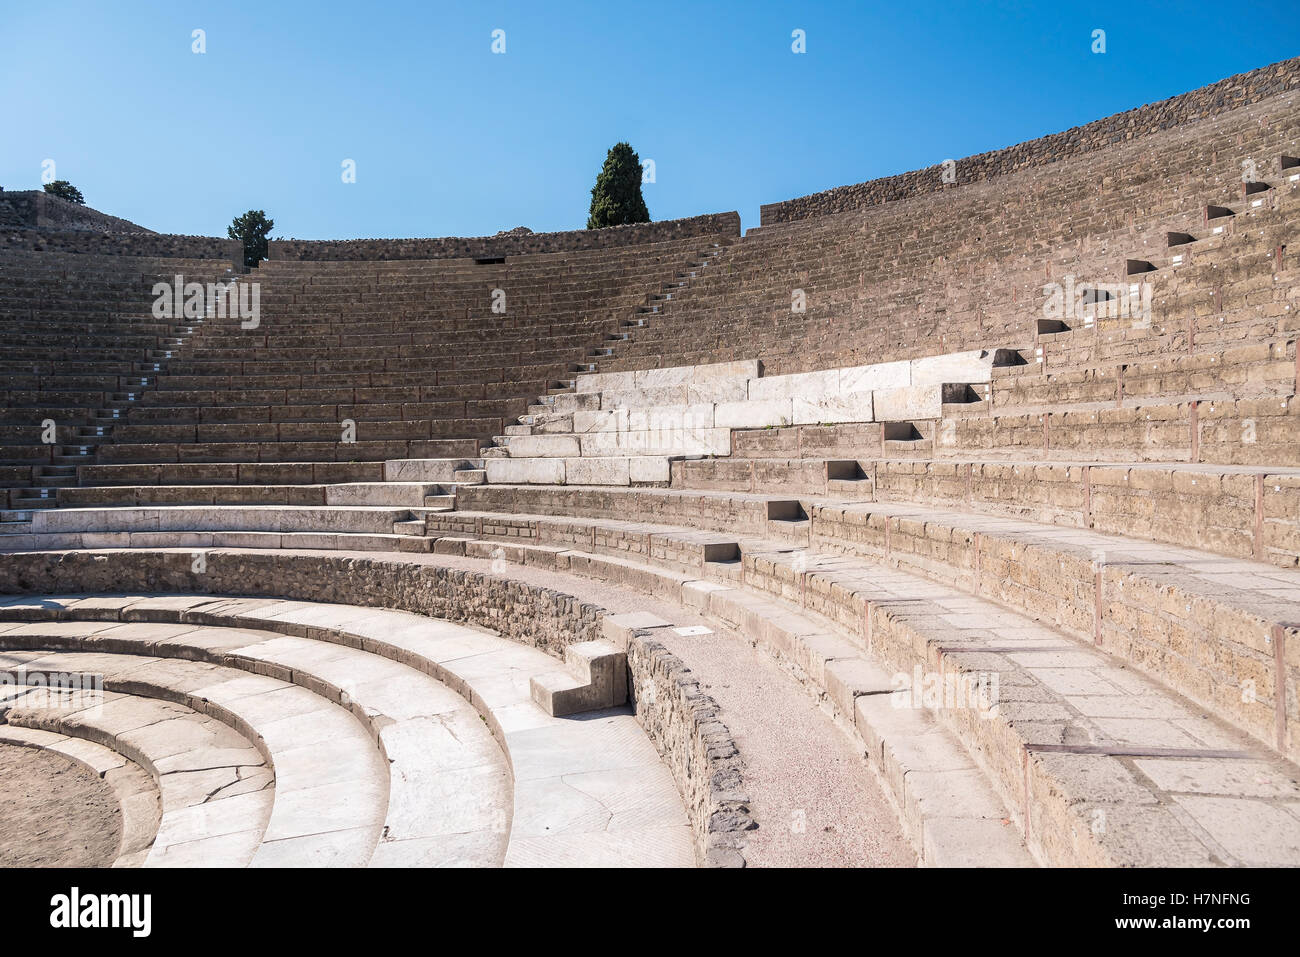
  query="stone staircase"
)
[
  {"x": 626, "y": 428},
  {"x": 62, "y": 470},
  {"x": 546, "y": 415}
]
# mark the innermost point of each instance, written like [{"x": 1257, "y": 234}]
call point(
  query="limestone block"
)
[
  {"x": 643, "y": 398},
  {"x": 711, "y": 372},
  {"x": 596, "y": 471},
  {"x": 850, "y": 407},
  {"x": 596, "y": 677},
  {"x": 658, "y": 442},
  {"x": 656, "y": 378},
  {"x": 574, "y": 401},
  {"x": 880, "y": 375},
  {"x": 717, "y": 390},
  {"x": 614, "y": 420},
  {"x": 425, "y": 470},
  {"x": 807, "y": 385},
  {"x": 543, "y": 446},
  {"x": 410, "y": 494},
  {"x": 740, "y": 369},
  {"x": 908, "y": 403},
  {"x": 524, "y": 471},
  {"x": 753, "y": 415},
  {"x": 649, "y": 468},
  {"x": 699, "y": 416},
  {"x": 601, "y": 381},
  {"x": 976, "y": 366}
]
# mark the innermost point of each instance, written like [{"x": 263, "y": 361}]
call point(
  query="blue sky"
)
[{"x": 451, "y": 139}]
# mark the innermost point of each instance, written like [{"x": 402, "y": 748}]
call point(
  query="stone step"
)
[
  {"x": 1077, "y": 716},
  {"x": 330, "y": 780},
  {"x": 446, "y": 774},
  {"x": 134, "y": 787},
  {"x": 950, "y": 809},
  {"x": 216, "y": 790},
  {"x": 225, "y": 518},
  {"x": 386, "y": 541},
  {"x": 426, "y": 470},
  {"x": 595, "y": 678},
  {"x": 581, "y": 470},
  {"x": 469, "y": 476},
  {"x": 1207, "y": 619},
  {"x": 551, "y": 820}
]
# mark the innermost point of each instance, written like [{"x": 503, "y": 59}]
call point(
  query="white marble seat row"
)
[
  {"x": 134, "y": 788},
  {"x": 331, "y": 783},
  {"x": 206, "y": 771},
  {"x": 586, "y": 792},
  {"x": 447, "y": 783},
  {"x": 252, "y": 518},
  {"x": 199, "y": 526},
  {"x": 691, "y": 410}
]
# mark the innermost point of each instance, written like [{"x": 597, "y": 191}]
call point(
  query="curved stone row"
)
[
  {"x": 214, "y": 786},
  {"x": 589, "y": 792},
  {"x": 134, "y": 787}
]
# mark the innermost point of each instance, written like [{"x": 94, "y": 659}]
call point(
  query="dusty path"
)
[
  {"x": 54, "y": 812},
  {"x": 816, "y": 801}
]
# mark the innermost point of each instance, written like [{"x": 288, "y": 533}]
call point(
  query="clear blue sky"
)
[{"x": 450, "y": 139}]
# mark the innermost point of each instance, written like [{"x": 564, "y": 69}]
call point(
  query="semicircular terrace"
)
[{"x": 948, "y": 522}]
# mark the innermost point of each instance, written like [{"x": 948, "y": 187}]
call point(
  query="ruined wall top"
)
[{"x": 1208, "y": 101}]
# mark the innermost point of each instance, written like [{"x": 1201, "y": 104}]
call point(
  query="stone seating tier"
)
[{"x": 381, "y": 743}]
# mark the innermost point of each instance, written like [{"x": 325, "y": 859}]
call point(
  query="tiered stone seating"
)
[
  {"x": 962, "y": 268},
  {"x": 1090, "y": 439},
  {"x": 368, "y": 383},
  {"x": 410, "y": 351},
  {"x": 1083, "y": 521},
  {"x": 337, "y": 736},
  {"x": 81, "y": 344}
]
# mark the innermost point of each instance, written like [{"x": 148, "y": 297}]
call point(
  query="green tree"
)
[
  {"x": 65, "y": 190},
  {"x": 616, "y": 197},
  {"x": 252, "y": 229}
]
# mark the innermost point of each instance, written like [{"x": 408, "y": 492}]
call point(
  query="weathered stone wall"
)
[
  {"x": 505, "y": 244},
  {"x": 686, "y": 726},
  {"x": 37, "y": 208},
  {"x": 1213, "y": 100},
  {"x": 678, "y": 717},
  {"x": 91, "y": 242}
]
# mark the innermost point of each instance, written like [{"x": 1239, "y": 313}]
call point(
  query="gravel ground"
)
[{"x": 54, "y": 812}]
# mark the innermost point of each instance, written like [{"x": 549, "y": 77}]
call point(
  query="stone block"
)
[
  {"x": 753, "y": 415},
  {"x": 613, "y": 420},
  {"x": 649, "y": 468},
  {"x": 544, "y": 446},
  {"x": 849, "y": 407},
  {"x": 975, "y": 366},
  {"x": 909, "y": 403},
  {"x": 595, "y": 677},
  {"x": 596, "y": 471},
  {"x": 880, "y": 375},
  {"x": 807, "y": 385},
  {"x": 524, "y": 471}
]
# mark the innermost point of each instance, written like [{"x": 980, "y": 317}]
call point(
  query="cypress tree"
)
[{"x": 616, "y": 198}]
